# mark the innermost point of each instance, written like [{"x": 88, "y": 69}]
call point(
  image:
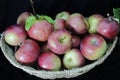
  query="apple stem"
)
[
  {"x": 34, "y": 13},
  {"x": 109, "y": 17}
]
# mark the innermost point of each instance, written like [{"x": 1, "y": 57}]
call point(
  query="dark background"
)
[{"x": 10, "y": 9}]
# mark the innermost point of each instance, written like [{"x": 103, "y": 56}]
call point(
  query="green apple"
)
[
  {"x": 73, "y": 58},
  {"x": 63, "y": 15},
  {"x": 93, "y": 21}
]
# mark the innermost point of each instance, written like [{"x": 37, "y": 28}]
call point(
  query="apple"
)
[
  {"x": 49, "y": 61},
  {"x": 109, "y": 28},
  {"x": 77, "y": 23},
  {"x": 15, "y": 34},
  {"x": 93, "y": 46},
  {"x": 63, "y": 15},
  {"x": 94, "y": 21},
  {"x": 60, "y": 41},
  {"x": 28, "y": 52},
  {"x": 39, "y": 28},
  {"x": 75, "y": 41},
  {"x": 73, "y": 58},
  {"x": 22, "y": 18},
  {"x": 59, "y": 24}
]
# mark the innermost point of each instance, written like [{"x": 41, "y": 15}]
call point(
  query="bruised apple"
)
[
  {"x": 28, "y": 52},
  {"x": 93, "y": 47},
  {"x": 15, "y": 34}
]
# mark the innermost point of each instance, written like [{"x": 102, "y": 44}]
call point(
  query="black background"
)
[{"x": 10, "y": 9}]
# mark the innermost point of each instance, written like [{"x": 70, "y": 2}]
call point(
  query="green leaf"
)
[
  {"x": 47, "y": 18},
  {"x": 116, "y": 12},
  {"x": 29, "y": 22},
  {"x": 32, "y": 19}
]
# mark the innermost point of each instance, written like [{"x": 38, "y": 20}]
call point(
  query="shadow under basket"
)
[{"x": 9, "y": 54}]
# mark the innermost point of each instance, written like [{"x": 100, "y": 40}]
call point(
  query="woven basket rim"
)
[{"x": 67, "y": 73}]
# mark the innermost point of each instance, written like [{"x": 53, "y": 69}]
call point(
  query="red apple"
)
[
  {"x": 49, "y": 61},
  {"x": 63, "y": 15},
  {"x": 94, "y": 21},
  {"x": 28, "y": 52},
  {"x": 59, "y": 24},
  {"x": 73, "y": 58},
  {"x": 39, "y": 29},
  {"x": 109, "y": 28},
  {"x": 93, "y": 47},
  {"x": 22, "y": 17},
  {"x": 60, "y": 41},
  {"x": 77, "y": 23},
  {"x": 75, "y": 41},
  {"x": 15, "y": 34}
]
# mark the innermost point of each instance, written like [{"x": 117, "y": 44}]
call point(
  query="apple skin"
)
[
  {"x": 108, "y": 28},
  {"x": 93, "y": 46},
  {"x": 28, "y": 52},
  {"x": 75, "y": 41},
  {"x": 40, "y": 30},
  {"x": 63, "y": 15},
  {"x": 73, "y": 58},
  {"x": 94, "y": 21},
  {"x": 22, "y": 18},
  {"x": 49, "y": 61},
  {"x": 15, "y": 34},
  {"x": 59, "y": 24},
  {"x": 60, "y": 41},
  {"x": 77, "y": 23}
]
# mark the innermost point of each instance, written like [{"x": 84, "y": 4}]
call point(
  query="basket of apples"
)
[{"x": 67, "y": 46}]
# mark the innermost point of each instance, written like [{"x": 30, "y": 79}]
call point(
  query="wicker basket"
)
[{"x": 9, "y": 54}]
